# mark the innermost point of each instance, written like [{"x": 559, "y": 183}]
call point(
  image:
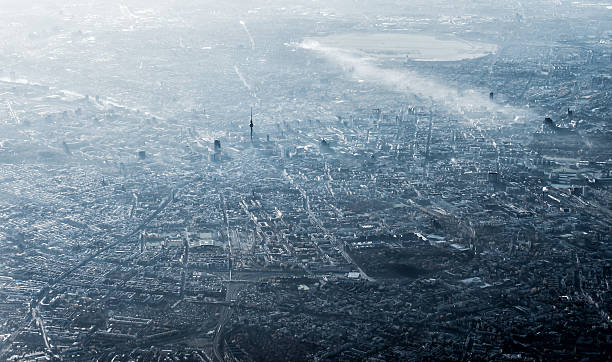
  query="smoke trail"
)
[
  {"x": 248, "y": 33},
  {"x": 406, "y": 81},
  {"x": 126, "y": 12},
  {"x": 242, "y": 78}
]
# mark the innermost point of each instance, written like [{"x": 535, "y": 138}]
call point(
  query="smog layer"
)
[{"x": 299, "y": 181}]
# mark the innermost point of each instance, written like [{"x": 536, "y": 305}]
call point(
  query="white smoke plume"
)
[
  {"x": 248, "y": 33},
  {"x": 409, "y": 82},
  {"x": 242, "y": 79}
]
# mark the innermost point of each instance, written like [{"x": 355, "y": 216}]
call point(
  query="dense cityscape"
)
[{"x": 219, "y": 186}]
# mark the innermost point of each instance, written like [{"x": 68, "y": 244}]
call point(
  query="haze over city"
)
[{"x": 305, "y": 180}]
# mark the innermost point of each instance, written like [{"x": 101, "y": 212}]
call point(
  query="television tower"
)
[{"x": 251, "y": 125}]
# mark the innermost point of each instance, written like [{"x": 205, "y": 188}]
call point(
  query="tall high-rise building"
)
[
  {"x": 493, "y": 178},
  {"x": 217, "y": 149}
]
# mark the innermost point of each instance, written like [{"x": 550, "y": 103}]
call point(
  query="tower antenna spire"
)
[{"x": 251, "y": 125}]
